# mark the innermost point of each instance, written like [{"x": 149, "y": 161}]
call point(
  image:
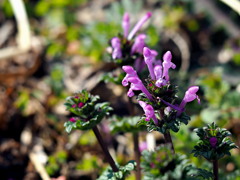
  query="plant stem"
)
[
  {"x": 135, "y": 142},
  {"x": 137, "y": 155},
  {"x": 168, "y": 139},
  {"x": 105, "y": 149},
  {"x": 167, "y": 135},
  {"x": 215, "y": 169}
]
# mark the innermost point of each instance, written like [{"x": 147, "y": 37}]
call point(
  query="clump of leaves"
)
[
  {"x": 87, "y": 110},
  {"x": 161, "y": 164},
  {"x": 125, "y": 124},
  {"x": 121, "y": 174},
  {"x": 169, "y": 123},
  {"x": 214, "y": 142}
]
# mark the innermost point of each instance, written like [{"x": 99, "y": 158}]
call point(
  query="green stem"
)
[
  {"x": 167, "y": 135},
  {"x": 105, "y": 150},
  {"x": 215, "y": 169},
  {"x": 137, "y": 155}
]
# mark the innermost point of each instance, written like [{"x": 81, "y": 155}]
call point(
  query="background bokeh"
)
[{"x": 68, "y": 52}]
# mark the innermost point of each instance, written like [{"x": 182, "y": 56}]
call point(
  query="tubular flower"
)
[
  {"x": 136, "y": 83},
  {"x": 139, "y": 64},
  {"x": 167, "y": 64},
  {"x": 139, "y": 25},
  {"x": 190, "y": 95},
  {"x": 149, "y": 58},
  {"x": 138, "y": 44},
  {"x": 158, "y": 74},
  {"x": 149, "y": 111},
  {"x": 160, "y": 71},
  {"x": 130, "y": 73},
  {"x": 116, "y": 45},
  {"x": 126, "y": 24}
]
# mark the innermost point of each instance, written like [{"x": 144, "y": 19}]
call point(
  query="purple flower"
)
[
  {"x": 130, "y": 73},
  {"x": 213, "y": 141},
  {"x": 149, "y": 111},
  {"x": 72, "y": 119},
  {"x": 116, "y": 45},
  {"x": 139, "y": 44},
  {"x": 158, "y": 71},
  {"x": 149, "y": 58},
  {"x": 167, "y": 64},
  {"x": 139, "y": 64},
  {"x": 136, "y": 83},
  {"x": 80, "y": 104},
  {"x": 190, "y": 95},
  {"x": 143, "y": 146},
  {"x": 139, "y": 25},
  {"x": 158, "y": 74},
  {"x": 126, "y": 24}
]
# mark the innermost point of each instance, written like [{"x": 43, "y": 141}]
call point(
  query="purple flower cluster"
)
[
  {"x": 127, "y": 48},
  {"x": 159, "y": 73},
  {"x": 136, "y": 45}
]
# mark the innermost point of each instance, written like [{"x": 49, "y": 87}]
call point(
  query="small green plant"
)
[
  {"x": 161, "y": 164},
  {"x": 213, "y": 145},
  {"x": 89, "y": 113}
]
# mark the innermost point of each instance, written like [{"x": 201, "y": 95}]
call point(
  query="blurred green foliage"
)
[
  {"x": 56, "y": 21},
  {"x": 88, "y": 163},
  {"x": 55, "y": 162},
  {"x": 161, "y": 164}
]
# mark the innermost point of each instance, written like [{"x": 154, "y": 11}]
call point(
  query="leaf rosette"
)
[
  {"x": 87, "y": 110},
  {"x": 214, "y": 142}
]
